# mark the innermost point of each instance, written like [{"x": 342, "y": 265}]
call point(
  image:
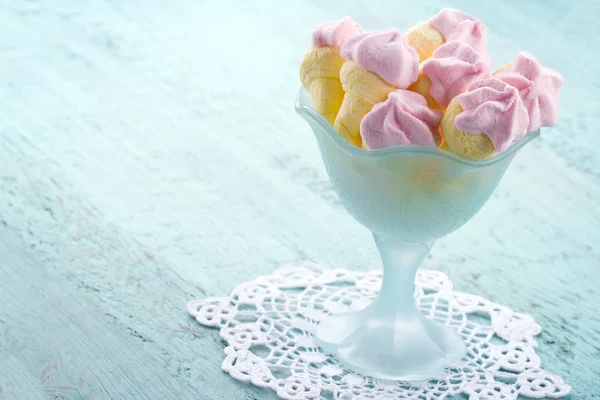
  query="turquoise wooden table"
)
[{"x": 150, "y": 154}]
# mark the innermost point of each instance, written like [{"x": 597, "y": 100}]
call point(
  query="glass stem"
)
[{"x": 400, "y": 263}]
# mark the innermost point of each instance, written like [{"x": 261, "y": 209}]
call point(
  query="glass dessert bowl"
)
[{"x": 407, "y": 196}]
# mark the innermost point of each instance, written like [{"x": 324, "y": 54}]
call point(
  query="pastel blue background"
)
[{"x": 150, "y": 155}]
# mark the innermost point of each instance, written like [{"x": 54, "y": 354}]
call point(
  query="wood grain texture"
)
[{"x": 149, "y": 155}]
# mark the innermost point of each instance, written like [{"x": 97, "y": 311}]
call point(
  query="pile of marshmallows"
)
[{"x": 432, "y": 87}]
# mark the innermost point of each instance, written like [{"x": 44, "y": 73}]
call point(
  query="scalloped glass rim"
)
[{"x": 304, "y": 108}]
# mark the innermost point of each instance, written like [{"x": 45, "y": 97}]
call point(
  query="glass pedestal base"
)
[
  {"x": 405, "y": 348},
  {"x": 390, "y": 338}
]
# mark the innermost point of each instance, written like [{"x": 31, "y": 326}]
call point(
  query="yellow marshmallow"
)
[
  {"x": 363, "y": 90},
  {"x": 422, "y": 86},
  {"x": 502, "y": 67},
  {"x": 465, "y": 144},
  {"x": 320, "y": 75},
  {"x": 424, "y": 39}
]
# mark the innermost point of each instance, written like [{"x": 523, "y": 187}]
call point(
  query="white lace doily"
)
[{"x": 268, "y": 325}]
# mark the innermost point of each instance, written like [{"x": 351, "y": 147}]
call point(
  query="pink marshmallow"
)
[
  {"x": 460, "y": 26},
  {"x": 403, "y": 118},
  {"x": 454, "y": 67},
  {"x": 335, "y": 33},
  {"x": 494, "y": 108},
  {"x": 538, "y": 88},
  {"x": 385, "y": 53}
]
